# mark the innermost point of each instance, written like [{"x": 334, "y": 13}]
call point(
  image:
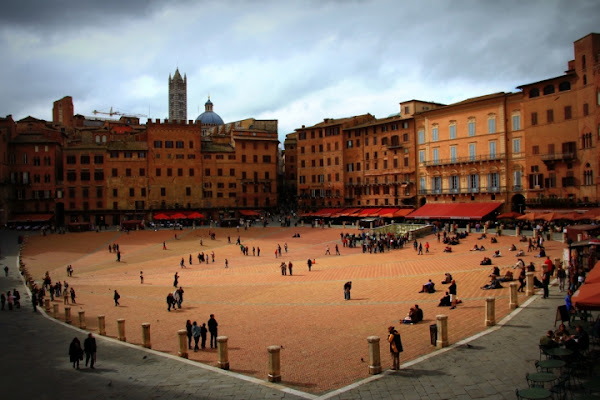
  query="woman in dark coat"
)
[{"x": 75, "y": 352}]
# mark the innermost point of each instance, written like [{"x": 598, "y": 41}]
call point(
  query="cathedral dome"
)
[{"x": 209, "y": 117}]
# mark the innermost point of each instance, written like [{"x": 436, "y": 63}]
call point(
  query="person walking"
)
[
  {"x": 72, "y": 295},
  {"x": 290, "y": 268},
  {"x": 3, "y": 300},
  {"x": 546, "y": 282},
  {"x": 337, "y": 250},
  {"x": 6, "y": 270},
  {"x": 327, "y": 250},
  {"x": 89, "y": 348},
  {"x": 420, "y": 249},
  {"x": 176, "y": 280},
  {"x": 116, "y": 297},
  {"x": 66, "y": 296},
  {"x": 395, "y": 347},
  {"x": 10, "y": 299},
  {"x": 170, "y": 302},
  {"x": 75, "y": 352},
  {"x": 452, "y": 292},
  {"x": 212, "y": 328},
  {"x": 196, "y": 334},
  {"x": 309, "y": 263},
  {"x": 226, "y": 263},
  {"x": 141, "y": 277}
]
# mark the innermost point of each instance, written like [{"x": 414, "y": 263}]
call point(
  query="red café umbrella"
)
[
  {"x": 509, "y": 215},
  {"x": 161, "y": 216},
  {"x": 530, "y": 216},
  {"x": 588, "y": 296},
  {"x": 178, "y": 216},
  {"x": 554, "y": 216},
  {"x": 196, "y": 215}
]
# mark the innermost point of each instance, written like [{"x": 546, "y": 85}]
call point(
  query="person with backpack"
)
[{"x": 395, "y": 347}]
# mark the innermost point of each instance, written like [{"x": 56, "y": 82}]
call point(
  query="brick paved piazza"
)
[{"x": 323, "y": 336}]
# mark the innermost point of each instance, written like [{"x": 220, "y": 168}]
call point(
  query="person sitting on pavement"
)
[
  {"x": 542, "y": 253},
  {"x": 448, "y": 249},
  {"x": 486, "y": 261},
  {"x": 508, "y": 277},
  {"x": 447, "y": 278},
  {"x": 445, "y": 301},
  {"x": 497, "y": 254},
  {"x": 493, "y": 240},
  {"x": 523, "y": 239},
  {"x": 495, "y": 272},
  {"x": 429, "y": 287},
  {"x": 415, "y": 315},
  {"x": 483, "y": 236},
  {"x": 494, "y": 284},
  {"x": 512, "y": 247},
  {"x": 531, "y": 267},
  {"x": 519, "y": 264},
  {"x": 475, "y": 248}
]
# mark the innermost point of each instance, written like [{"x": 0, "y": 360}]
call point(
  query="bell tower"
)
[{"x": 177, "y": 97}]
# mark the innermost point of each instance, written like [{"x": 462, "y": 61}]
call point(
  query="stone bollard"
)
[
  {"x": 374, "y": 355},
  {"x": 274, "y": 363},
  {"x": 68, "y": 314},
  {"x": 579, "y": 237},
  {"x": 514, "y": 296},
  {"x": 101, "y": 325},
  {"x": 451, "y": 228},
  {"x": 468, "y": 228},
  {"x": 183, "y": 347},
  {"x": 146, "y": 335},
  {"x": 82, "y": 319},
  {"x": 121, "y": 328},
  {"x": 47, "y": 304},
  {"x": 518, "y": 231},
  {"x": 490, "y": 311},
  {"x": 442, "y": 328},
  {"x": 485, "y": 229},
  {"x": 55, "y": 310},
  {"x": 529, "y": 289},
  {"x": 223, "y": 362}
]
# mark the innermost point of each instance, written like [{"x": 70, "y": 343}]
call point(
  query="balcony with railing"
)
[
  {"x": 465, "y": 160},
  {"x": 470, "y": 190},
  {"x": 558, "y": 157}
]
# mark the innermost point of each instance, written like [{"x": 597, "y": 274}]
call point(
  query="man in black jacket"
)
[
  {"x": 212, "y": 328},
  {"x": 89, "y": 347}
]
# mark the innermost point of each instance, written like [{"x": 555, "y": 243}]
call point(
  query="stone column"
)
[
  {"x": 529, "y": 289},
  {"x": 146, "y": 336},
  {"x": 579, "y": 237},
  {"x": 490, "y": 311},
  {"x": 223, "y": 362},
  {"x": 374, "y": 355},
  {"x": 274, "y": 363},
  {"x": 82, "y": 319},
  {"x": 344, "y": 224},
  {"x": 55, "y": 310},
  {"x": 518, "y": 231},
  {"x": 101, "y": 325},
  {"x": 47, "y": 304},
  {"x": 514, "y": 296},
  {"x": 121, "y": 327},
  {"x": 68, "y": 314},
  {"x": 183, "y": 346},
  {"x": 442, "y": 328}
]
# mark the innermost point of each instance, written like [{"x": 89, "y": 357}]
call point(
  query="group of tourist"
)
[{"x": 198, "y": 332}]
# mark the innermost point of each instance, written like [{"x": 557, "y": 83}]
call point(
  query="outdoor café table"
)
[
  {"x": 551, "y": 364},
  {"x": 534, "y": 393},
  {"x": 559, "y": 352},
  {"x": 541, "y": 378}
]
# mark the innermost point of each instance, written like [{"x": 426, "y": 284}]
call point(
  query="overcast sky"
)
[{"x": 294, "y": 61}]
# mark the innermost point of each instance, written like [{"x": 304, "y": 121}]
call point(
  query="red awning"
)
[
  {"x": 327, "y": 212},
  {"x": 587, "y": 297},
  {"x": 394, "y": 212},
  {"x": 250, "y": 213},
  {"x": 349, "y": 212},
  {"x": 160, "y": 217},
  {"x": 31, "y": 218},
  {"x": 473, "y": 211},
  {"x": 366, "y": 212}
]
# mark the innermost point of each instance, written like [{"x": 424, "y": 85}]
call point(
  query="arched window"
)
[
  {"x": 583, "y": 61},
  {"x": 549, "y": 89},
  {"x": 97, "y": 139},
  {"x": 535, "y": 92},
  {"x": 564, "y": 86},
  {"x": 103, "y": 138}
]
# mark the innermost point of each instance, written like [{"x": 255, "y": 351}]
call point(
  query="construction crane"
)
[{"x": 111, "y": 113}]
